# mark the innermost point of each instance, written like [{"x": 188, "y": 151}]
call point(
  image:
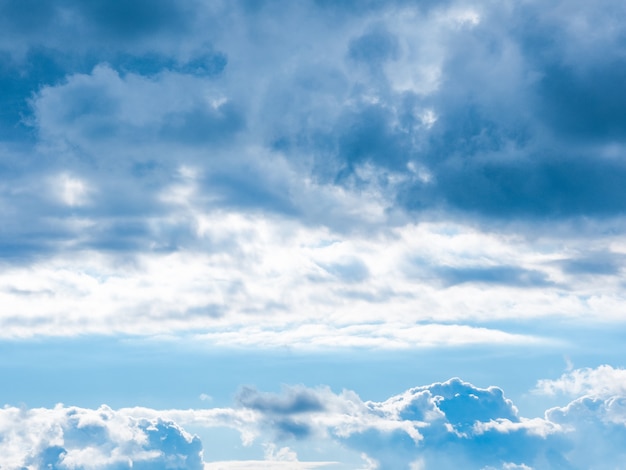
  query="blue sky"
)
[{"x": 315, "y": 234}]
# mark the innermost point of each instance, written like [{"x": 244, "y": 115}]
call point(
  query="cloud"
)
[
  {"x": 213, "y": 275},
  {"x": 455, "y": 424},
  {"x": 275, "y": 458},
  {"x": 447, "y": 425},
  {"x": 602, "y": 381},
  {"x": 89, "y": 110},
  {"x": 71, "y": 437},
  {"x": 398, "y": 175},
  {"x": 296, "y": 401},
  {"x": 374, "y": 47},
  {"x": 594, "y": 429},
  {"x": 356, "y": 128},
  {"x": 331, "y": 120}
]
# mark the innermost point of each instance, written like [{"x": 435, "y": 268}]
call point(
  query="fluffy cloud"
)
[
  {"x": 71, "y": 438},
  {"x": 449, "y": 425},
  {"x": 594, "y": 429},
  {"x": 446, "y": 425}
]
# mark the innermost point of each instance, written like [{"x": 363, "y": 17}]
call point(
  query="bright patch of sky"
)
[{"x": 314, "y": 234}]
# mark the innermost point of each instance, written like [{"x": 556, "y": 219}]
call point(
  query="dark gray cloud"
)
[
  {"x": 294, "y": 401},
  {"x": 284, "y": 409}
]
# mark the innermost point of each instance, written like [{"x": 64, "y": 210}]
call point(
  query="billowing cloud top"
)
[
  {"x": 78, "y": 438},
  {"x": 446, "y": 425}
]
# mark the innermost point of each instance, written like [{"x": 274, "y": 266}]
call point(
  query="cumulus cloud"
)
[
  {"x": 452, "y": 425},
  {"x": 71, "y": 437},
  {"x": 446, "y": 425},
  {"x": 423, "y": 423},
  {"x": 594, "y": 429}
]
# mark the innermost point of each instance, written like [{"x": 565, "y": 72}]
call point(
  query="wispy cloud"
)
[{"x": 603, "y": 381}]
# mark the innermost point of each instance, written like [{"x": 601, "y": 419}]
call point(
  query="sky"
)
[{"x": 338, "y": 234}]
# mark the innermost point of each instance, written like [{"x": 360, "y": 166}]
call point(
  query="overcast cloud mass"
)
[{"x": 326, "y": 177}]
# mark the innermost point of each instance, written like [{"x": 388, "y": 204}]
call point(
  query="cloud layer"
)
[
  {"x": 440, "y": 163},
  {"x": 432, "y": 284},
  {"x": 447, "y": 425}
]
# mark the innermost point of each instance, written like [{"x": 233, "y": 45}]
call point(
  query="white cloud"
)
[
  {"x": 449, "y": 425},
  {"x": 72, "y": 191},
  {"x": 602, "y": 381},
  {"x": 445, "y": 425},
  {"x": 594, "y": 430},
  {"x": 410, "y": 286},
  {"x": 72, "y": 437},
  {"x": 275, "y": 458}
]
